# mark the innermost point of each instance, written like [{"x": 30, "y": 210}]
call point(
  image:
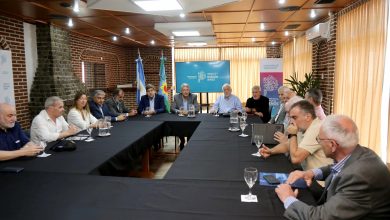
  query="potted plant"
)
[{"x": 301, "y": 87}]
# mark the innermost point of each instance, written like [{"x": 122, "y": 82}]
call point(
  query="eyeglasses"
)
[{"x": 318, "y": 139}]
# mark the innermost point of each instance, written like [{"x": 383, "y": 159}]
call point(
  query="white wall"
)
[{"x": 30, "y": 48}]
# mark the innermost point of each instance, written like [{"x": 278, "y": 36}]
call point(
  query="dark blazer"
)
[
  {"x": 159, "y": 105},
  {"x": 360, "y": 191},
  {"x": 261, "y": 105},
  {"x": 95, "y": 111},
  {"x": 178, "y": 101},
  {"x": 280, "y": 118},
  {"x": 116, "y": 108}
]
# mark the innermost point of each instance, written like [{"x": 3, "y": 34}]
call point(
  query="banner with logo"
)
[
  {"x": 6, "y": 78},
  {"x": 203, "y": 76},
  {"x": 271, "y": 78}
]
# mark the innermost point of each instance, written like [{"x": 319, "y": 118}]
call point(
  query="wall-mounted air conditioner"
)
[{"x": 318, "y": 33}]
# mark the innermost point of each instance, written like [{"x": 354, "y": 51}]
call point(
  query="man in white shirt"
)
[
  {"x": 49, "y": 125},
  {"x": 227, "y": 102}
]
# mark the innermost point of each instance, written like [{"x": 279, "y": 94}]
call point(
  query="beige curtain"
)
[
  {"x": 288, "y": 60},
  {"x": 297, "y": 58},
  {"x": 303, "y": 57},
  {"x": 360, "y": 50},
  {"x": 244, "y": 66}
]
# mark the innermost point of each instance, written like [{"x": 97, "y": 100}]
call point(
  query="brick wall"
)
[
  {"x": 323, "y": 66},
  {"x": 11, "y": 37},
  {"x": 274, "y": 51},
  {"x": 151, "y": 62}
]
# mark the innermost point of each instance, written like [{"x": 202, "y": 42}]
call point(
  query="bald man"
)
[
  {"x": 356, "y": 186},
  {"x": 13, "y": 141}
]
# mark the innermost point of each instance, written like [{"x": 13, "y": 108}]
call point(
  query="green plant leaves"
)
[{"x": 301, "y": 87}]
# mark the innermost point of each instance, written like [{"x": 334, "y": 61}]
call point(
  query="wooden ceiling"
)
[{"x": 234, "y": 24}]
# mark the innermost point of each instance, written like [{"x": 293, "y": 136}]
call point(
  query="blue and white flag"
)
[{"x": 141, "y": 87}]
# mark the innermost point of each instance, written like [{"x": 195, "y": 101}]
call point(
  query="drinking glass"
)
[
  {"x": 191, "y": 111},
  {"x": 89, "y": 130},
  {"x": 250, "y": 176},
  {"x": 216, "y": 112},
  {"x": 243, "y": 125},
  {"x": 181, "y": 110},
  {"x": 147, "y": 110},
  {"x": 42, "y": 144},
  {"x": 258, "y": 139},
  {"x": 244, "y": 116}
]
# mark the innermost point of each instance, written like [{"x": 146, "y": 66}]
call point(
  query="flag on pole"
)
[
  {"x": 141, "y": 87},
  {"x": 163, "y": 88}
]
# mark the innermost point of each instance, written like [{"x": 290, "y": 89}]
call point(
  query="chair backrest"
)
[{"x": 268, "y": 131}]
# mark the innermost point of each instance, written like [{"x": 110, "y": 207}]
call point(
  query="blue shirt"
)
[
  {"x": 227, "y": 104},
  {"x": 335, "y": 170},
  {"x": 12, "y": 138}
]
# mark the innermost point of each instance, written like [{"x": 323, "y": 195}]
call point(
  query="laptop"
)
[{"x": 268, "y": 131}]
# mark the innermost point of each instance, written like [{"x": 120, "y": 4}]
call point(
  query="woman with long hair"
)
[{"x": 79, "y": 114}]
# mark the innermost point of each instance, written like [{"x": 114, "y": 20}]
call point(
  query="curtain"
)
[
  {"x": 244, "y": 66},
  {"x": 360, "y": 53},
  {"x": 303, "y": 57},
  {"x": 288, "y": 60},
  {"x": 297, "y": 58}
]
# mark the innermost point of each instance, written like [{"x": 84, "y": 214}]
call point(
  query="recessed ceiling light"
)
[
  {"x": 182, "y": 15},
  {"x": 253, "y": 39},
  {"x": 286, "y": 33},
  {"x": 127, "y": 30},
  {"x": 273, "y": 43},
  {"x": 185, "y": 33},
  {"x": 70, "y": 22},
  {"x": 76, "y": 6},
  {"x": 313, "y": 14},
  {"x": 197, "y": 44},
  {"x": 152, "y": 42},
  {"x": 158, "y": 5},
  {"x": 282, "y": 2},
  {"x": 262, "y": 26},
  {"x": 114, "y": 38}
]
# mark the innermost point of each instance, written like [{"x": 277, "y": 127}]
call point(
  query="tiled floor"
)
[{"x": 163, "y": 159}]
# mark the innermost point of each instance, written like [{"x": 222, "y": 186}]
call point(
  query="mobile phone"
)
[
  {"x": 11, "y": 169},
  {"x": 271, "y": 179}
]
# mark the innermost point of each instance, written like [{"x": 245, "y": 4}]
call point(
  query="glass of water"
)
[
  {"x": 250, "y": 176},
  {"x": 147, "y": 110},
  {"x": 258, "y": 139}
]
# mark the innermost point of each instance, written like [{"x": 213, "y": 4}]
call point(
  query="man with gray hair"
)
[
  {"x": 258, "y": 105},
  {"x": 279, "y": 117},
  {"x": 302, "y": 145},
  {"x": 227, "y": 102},
  {"x": 13, "y": 141},
  {"x": 99, "y": 109},
  {"x": 49, "y": 125},
  {"x": 183, "y": 99},
  {"x": 357, "y": 185},
  {"x": 314, "y": 96}
]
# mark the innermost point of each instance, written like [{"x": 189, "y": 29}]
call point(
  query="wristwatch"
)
[{"x": 291, "y": 135}]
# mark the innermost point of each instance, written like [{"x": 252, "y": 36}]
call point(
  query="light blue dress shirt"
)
[
  {"x": 227, "y": 104},
  {"x": 151, "y": 103}
]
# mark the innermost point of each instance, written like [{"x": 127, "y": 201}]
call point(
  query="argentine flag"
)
[{"x": 141, "y": 87}]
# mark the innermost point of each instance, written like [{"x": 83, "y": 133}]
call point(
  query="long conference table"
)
[{"x": 205, "y": 181}]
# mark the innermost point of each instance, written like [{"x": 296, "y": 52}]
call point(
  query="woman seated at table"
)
[{"x": 80, "y": 115}]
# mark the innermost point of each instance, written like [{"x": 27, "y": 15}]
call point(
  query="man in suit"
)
[
  {"x": 184, "y": 99},
  {"x": 356, "y": 187},
  {"x": 258, "y": 105},
  {"x": 116, "y": 105},
  {"x": 154, "y": 101},
  {"x": 99, "y": 109},
  {"x": 279, "y": 117}
]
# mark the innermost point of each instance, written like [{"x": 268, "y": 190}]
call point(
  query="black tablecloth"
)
[
  {"x": 105, "y": 155},
  {"x": 40, "y": 196},
  {"x": 205, "y": 182}
]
